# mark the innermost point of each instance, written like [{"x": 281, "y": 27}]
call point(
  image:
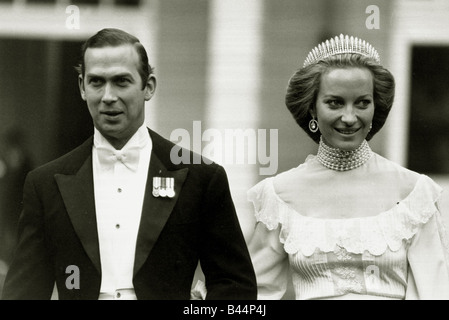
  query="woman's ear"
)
[{"x": 312, "y": 113}]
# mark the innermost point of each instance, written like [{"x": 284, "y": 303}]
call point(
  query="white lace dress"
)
[{"x": 374, "y": 232}]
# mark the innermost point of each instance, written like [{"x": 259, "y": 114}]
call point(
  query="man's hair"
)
[{"x": 111, "y": 37}]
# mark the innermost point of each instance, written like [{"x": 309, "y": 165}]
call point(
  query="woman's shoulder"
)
[
  {"x": 299, "y": 177},
  {"x": 269, "y": 208},
  {"x": 280, "y": 178},
  {"x": 420, "y": 192},
  {"x": 394, "y": 170}
]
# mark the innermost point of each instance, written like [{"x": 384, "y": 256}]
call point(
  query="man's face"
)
[{"x": 112, "y": 88}]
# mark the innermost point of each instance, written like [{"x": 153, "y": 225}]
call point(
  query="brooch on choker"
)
[{"x": 163, "y": 187}]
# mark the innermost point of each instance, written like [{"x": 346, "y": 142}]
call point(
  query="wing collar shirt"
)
[{"x": 119, "y": 193}]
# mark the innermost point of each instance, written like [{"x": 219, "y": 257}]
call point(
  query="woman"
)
[{"x": 347, "y": 223}]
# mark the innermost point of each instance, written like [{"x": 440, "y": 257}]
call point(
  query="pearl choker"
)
[{"x": 342, "y": 160}]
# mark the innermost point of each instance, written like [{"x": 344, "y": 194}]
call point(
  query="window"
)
[{"x": 429, "y": 110}]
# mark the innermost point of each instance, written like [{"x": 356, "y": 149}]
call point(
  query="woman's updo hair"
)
[{"x": 303, "y": 87}]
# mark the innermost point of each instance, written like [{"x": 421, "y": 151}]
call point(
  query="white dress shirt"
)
[{"x": 119, "y": 194}]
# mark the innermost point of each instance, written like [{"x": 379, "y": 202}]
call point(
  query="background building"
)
[{"x": 222, "y": 68}]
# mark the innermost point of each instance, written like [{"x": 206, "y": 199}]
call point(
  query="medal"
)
[
  {"x": 170, "y": 187},
  {"x": 163, "y": 187},
  {"x": 156, "y": 186}
]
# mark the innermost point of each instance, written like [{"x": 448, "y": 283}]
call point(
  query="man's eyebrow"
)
[
  {"x": 115, "y": 76},
  {"x": 121, "y": 75},
  {"x": 93, "y": 75}
]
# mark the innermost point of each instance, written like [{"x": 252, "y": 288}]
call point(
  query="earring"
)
[{"x": 313, "y": 125}]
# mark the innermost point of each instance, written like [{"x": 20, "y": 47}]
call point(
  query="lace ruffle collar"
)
[{"x": 373, "y": 234}]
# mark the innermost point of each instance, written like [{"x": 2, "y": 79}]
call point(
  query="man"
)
[{"x": 103, "y": 227}]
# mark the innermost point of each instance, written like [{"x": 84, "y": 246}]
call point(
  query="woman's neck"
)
[{"x": 343, "y": 160}]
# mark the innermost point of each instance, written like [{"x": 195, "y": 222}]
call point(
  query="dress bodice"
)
[{"x": 334, "y": 257}]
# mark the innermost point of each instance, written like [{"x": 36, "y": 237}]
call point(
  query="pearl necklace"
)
[{"x": 342, "y": 160}]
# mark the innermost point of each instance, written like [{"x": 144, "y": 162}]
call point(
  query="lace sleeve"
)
[
  {"x": 265, "y": 204},
  {"x": 428, "y": 256},
  {"x": 265, "y": 246},
  {"x": 442, "y": 231}
]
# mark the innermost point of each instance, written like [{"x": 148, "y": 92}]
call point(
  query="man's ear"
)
[
  {"x": 81, "y": 86},
  {"x": 150, "y": 88}
]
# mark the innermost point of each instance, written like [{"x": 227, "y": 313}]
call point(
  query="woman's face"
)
[{"x": 345, "y": 107}]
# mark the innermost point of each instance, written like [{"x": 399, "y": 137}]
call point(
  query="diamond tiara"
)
[{"x": 341, "y": 45}]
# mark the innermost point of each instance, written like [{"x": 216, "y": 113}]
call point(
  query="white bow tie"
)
[{"x": 109, "y": 156}]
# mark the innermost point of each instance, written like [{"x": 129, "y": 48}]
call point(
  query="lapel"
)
[
  {"x": 156, "y": 210},
  {"x": 77, "y": 190}
]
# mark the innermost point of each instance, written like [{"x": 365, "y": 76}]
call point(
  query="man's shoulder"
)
[{"x": 68, "y": 162}]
